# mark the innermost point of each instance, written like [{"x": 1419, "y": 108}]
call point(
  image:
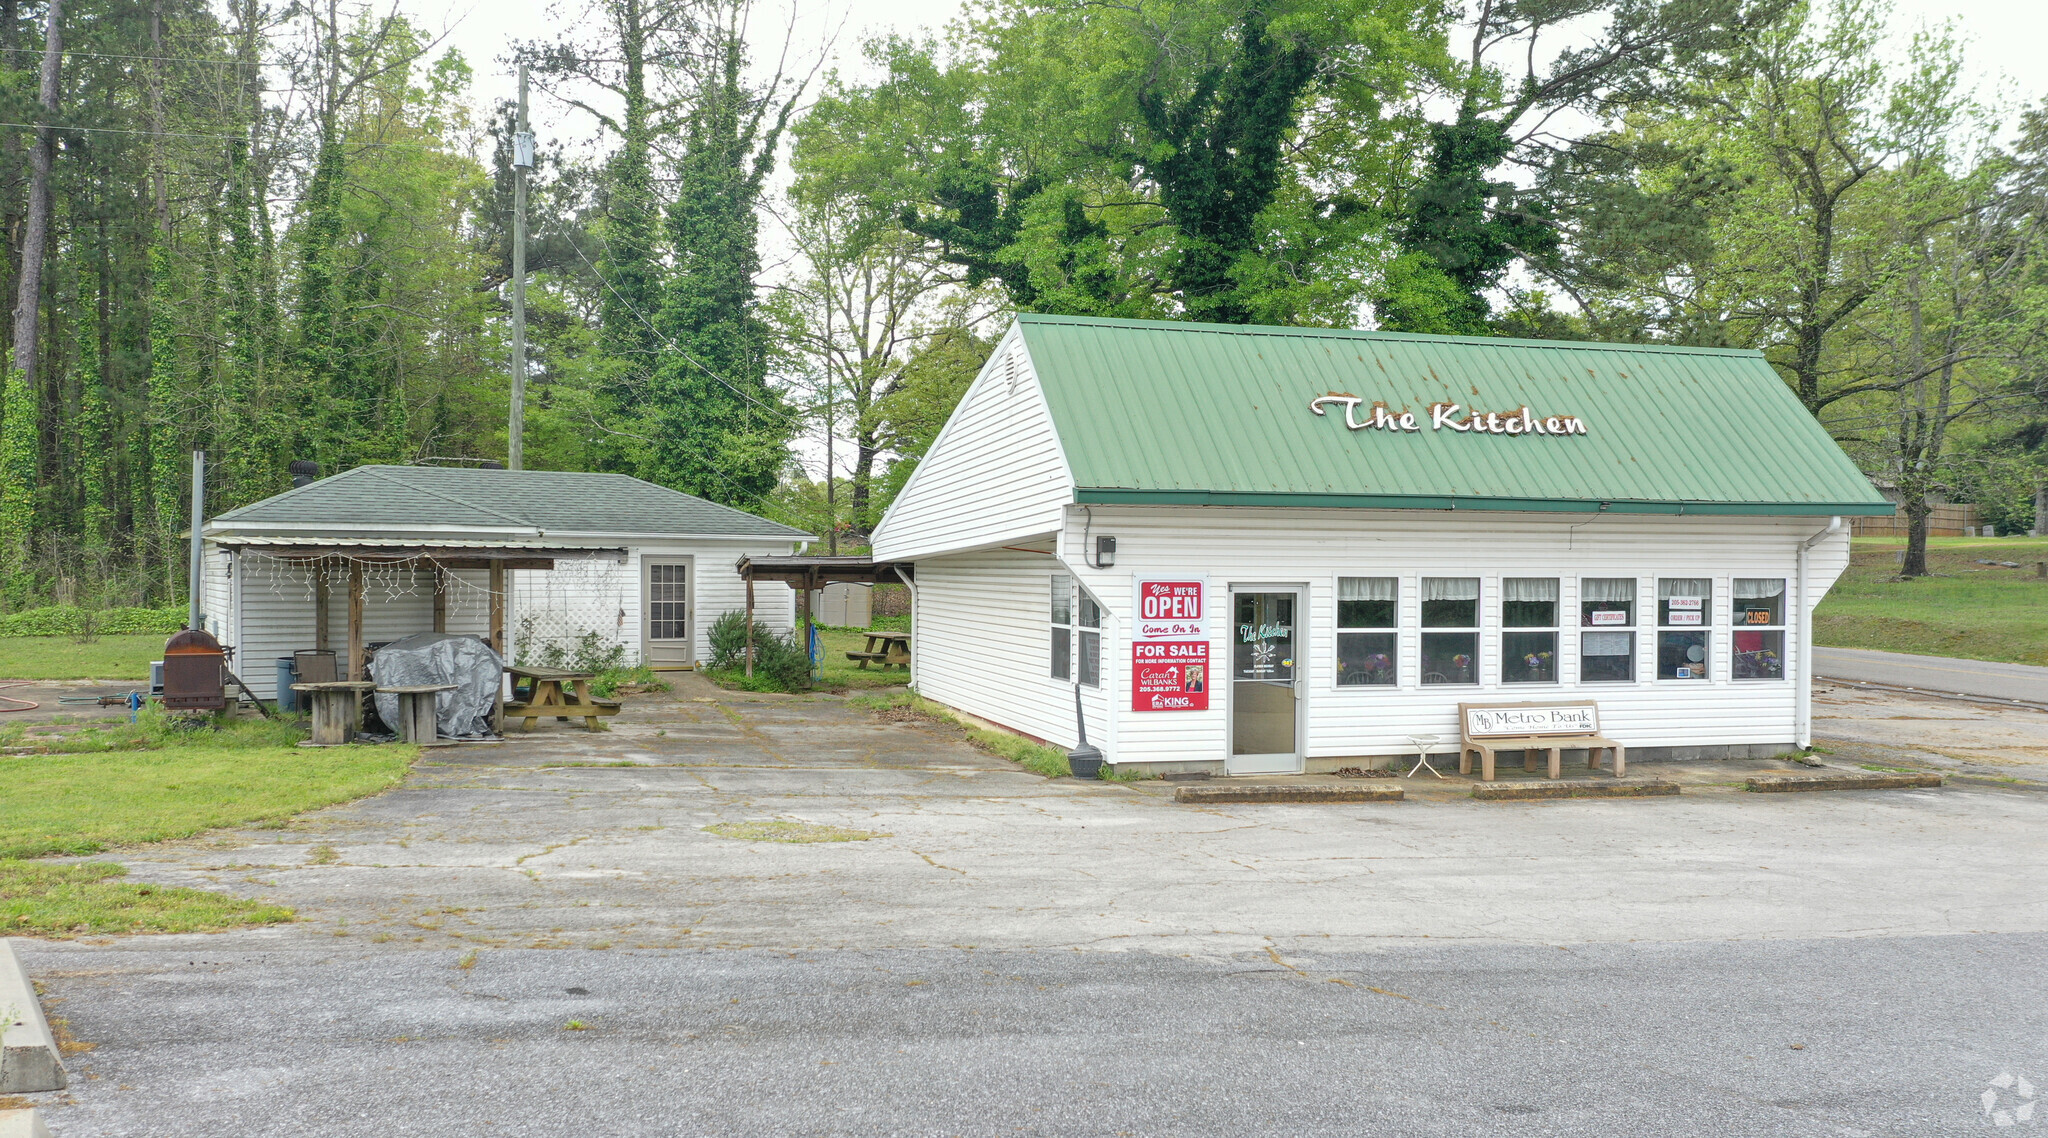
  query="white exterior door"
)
[
  {"x": 665, "y": 599},
  {"x": 1265, "y": 682}
]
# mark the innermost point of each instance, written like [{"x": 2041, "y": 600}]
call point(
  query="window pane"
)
[
  {"x": 1528, "y": 602},
  {"x": 1062, "y": 653},
  {"x": 1759, "y": 600},
  {"x": 1062, "y": 599},
  {"x": 1365, "y": 658},
  {"x": 1091, "y": 613},
  {"x": 1607, "y": 602},
  {"x": 1448, "y": 657},
  {"x": 1091, "y": 658},
  {"x": 1366, "y": 602},
  {"x": 1681, "y": 655},
  {"x": 1759, "y": 655},
  {"x": 1528, "y": 657},
  {"x": 1607, "y": 656},
  {"x": 1690, "y": 598}
]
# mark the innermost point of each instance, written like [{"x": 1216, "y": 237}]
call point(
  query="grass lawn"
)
[
  {"x": 40, "y": 898},
  {"x": 838, "y": 672},
  {"x": 62, "y": 658},
  {"x": 1978, "y": 612},
  {"x": 87, "y": 789}
]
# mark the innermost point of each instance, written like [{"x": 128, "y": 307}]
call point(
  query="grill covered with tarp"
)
[{"x": 429, "y": 658}]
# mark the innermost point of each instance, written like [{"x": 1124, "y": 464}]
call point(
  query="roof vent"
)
[
  {"x": 303, "y": 472},
  {"x": 487, "y": 464}
]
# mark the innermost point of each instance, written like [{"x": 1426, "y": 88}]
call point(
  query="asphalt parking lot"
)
[{"x": 1014, "y": 955}]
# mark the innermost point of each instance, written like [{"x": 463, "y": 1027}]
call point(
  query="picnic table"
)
[
  {"x": 884, "y": 648},
  {"x": 548, "y": 693}
]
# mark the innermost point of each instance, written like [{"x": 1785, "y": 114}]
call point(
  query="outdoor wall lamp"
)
[{"x": 1105, "y": 552}]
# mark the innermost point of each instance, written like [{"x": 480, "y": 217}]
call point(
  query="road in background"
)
[{"x": 1934, "y": 673}]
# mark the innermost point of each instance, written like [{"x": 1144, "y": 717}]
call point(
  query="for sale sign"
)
[
  {"x": 1171, "y": 610},
  {"x": 1170, "y": 675}
]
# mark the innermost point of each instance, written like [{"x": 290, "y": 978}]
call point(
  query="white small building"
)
[
  {"x": 549, "y": 566},
  {"x": 1258, "y": 550}
]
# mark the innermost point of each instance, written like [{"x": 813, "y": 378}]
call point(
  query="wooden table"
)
[
  {"x": 336, "y": 705},
  {"x": 885, "y": 648},
  {"x": 417, "y": 721},
  {"x": 547, "y": 697}
]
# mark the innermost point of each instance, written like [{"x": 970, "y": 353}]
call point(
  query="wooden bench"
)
[
  {"x": 587, "y": 712},
  {"x": 1531, "y": 727}
]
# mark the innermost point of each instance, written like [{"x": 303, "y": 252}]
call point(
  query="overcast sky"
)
[{"x": 2006, "y": 37}]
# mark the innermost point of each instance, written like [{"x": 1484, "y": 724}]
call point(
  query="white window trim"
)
[{"x": 1402, "y": 679}]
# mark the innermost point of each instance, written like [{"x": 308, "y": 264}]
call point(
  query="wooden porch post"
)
[
  {"x": 355, "y": 620},
  {"x": 320, "y": 603},
  {"x": 750, "y": 625},
  {"x": 440, "y": 598},
  {"x": 498, "y": 638}
]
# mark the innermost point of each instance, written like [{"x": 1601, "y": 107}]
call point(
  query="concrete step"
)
[
  {"x": 1520, "y": 790},
  {"x": 1839, "y": 780},
  {"x": 1307, "y": 793}
]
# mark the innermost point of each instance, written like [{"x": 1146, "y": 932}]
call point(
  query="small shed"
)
[{"x": 550, "y": 567}]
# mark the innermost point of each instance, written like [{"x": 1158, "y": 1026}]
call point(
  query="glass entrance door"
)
[{"x": 1265, "y": 703}]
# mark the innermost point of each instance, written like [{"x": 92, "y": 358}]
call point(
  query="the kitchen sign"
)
[
  {"x": 1447, "y": 416},
  {"x": 1170, "y": 645}
]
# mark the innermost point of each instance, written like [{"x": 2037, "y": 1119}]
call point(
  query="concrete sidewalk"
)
[{"x": 1984, "y": 678}]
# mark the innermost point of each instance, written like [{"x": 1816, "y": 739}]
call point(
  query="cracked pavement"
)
[{"x": 1017, "y": 955}]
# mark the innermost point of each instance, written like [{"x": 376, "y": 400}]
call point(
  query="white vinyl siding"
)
[
  {"x": 1319, "y": 546},
  {"x": 995, "y": 473},
  {"x": 273, "y": 611},
  {"x": 982, "y": 645}
]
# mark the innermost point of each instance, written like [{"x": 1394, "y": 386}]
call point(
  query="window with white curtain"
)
[
  {"x": 1368, "y": 647},
  {"x": 1528, "y": 639},
  {"x": 1685, "y": 607},
  {"x": 1450, "y": 603},
  {"x": 1759, "y": 638},
  {"x": 1608, "y": 605},
  {"x": 1062, "y": 626},
  {"x": 1607, "y": 602}
]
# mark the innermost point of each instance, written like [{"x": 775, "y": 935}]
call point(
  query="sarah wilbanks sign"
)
[
  {"x": 1447, "y": 417},
  {"x": 1170, "y": 646}
]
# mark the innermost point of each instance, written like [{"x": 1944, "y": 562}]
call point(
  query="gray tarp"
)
[{"x": 442, "y": 658}]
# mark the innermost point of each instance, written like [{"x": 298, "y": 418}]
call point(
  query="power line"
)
[{"x": 64, "y": 128}]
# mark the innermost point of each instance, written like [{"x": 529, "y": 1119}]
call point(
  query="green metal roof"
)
[
  {"x": 552, "y": 501},
  {"x": 1209, "y": 414}
]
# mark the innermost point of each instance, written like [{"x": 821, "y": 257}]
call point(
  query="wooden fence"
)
[{"x": 1942, "y": 521}]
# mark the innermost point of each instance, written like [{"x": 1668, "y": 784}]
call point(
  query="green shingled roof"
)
[
  {"x": 551, "y": 501},
  {"x": 1172, "y": 413}
]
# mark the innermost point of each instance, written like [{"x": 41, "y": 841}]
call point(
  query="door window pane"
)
[
  {"x": 1759, "y": 654},
  {"x": 1450, "y": 602},
  {"x": 1606, "y": 657},
  {"x": 1263, "y": 644},
  {"x": 1447, "y": 657},
  {"x": 667, "y": 588},
  {"x": 1607, "y": 602},
  {"x": 1681, "y": 655},
  {"x": 1366, "y": 658}
]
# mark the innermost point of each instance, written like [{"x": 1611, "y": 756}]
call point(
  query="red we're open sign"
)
[{"x": 1170, "y": 610}]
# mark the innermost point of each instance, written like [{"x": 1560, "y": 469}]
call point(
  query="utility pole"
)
[
  {"x": 522, "y": 161},
  {"x": 195, "y": 617}
]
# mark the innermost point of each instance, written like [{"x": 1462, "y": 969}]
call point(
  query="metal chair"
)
[{"x": 315, "y": 666}]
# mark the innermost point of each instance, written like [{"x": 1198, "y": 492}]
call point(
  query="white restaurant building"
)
[{"x": 1340, "y": 536}]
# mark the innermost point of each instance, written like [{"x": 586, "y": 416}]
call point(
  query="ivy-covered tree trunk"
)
[
  {"x": 718, "y": 430},
  {"x": 628, "y": 261},
  {"x": 19, "y": 433}
]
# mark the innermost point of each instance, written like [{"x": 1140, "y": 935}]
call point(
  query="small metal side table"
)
[{"x": 1424, "y": 744}]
